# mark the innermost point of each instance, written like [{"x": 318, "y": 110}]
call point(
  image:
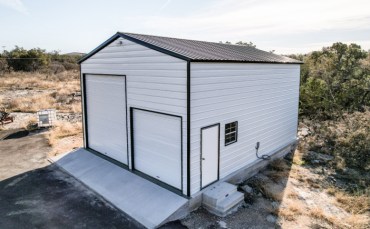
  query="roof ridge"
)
[{"x": 186, "y": 39}]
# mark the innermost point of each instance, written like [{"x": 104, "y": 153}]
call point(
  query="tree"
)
[
  {"x": 335, "y": 79},
  {"x": 249, "y": 44},
  {"x": 20, "y": 59}
]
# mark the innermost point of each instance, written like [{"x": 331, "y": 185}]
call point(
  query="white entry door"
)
[
  {"x": 210, "y": 139},
  {"x": 105, "y": 101},
  {"x": 157, "y": 145}
]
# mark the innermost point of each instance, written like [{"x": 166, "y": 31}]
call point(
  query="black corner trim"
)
[
  {"x": 83, "y": 104},
  {"x": 188, "y": 122}
]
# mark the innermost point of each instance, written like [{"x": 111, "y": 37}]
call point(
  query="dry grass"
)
[
  {"x": 279, "y": 170},
  {"x": 277, "y": 176},
  {"x": 38, "y": 102},
  {"x": 62, "y": 130},
  {"x": 358, "y": 221},
  {"x": 353, "y": 204},
  {"x": 331, "y": 191},
  {"x": 30, "y": 124},
  {"x": 269, "y": 190},
  {"x": 56, "y": 91},
  {"x": 313, "y": 183},
  {"x": 297, "y": 159},
  {"x": 279, "y": 165},
  {"x": 292, "y": 211},
  {"x": 30, "y": 104},
  {"x": 292, "y": 194},
  {"x": 319, "y": 214},
  {"x": 25, "y": 80}
]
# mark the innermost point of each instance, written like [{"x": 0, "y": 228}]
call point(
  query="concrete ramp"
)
[{"x": 146, "y": 202}]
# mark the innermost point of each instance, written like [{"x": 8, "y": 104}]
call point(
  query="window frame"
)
[{"x": 231, "y": 133}]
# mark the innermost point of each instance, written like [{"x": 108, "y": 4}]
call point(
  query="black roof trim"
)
[
  {"x": 100, "y": 47},
  {"x": 159, "y": 49},
  {"x": 117, "y": 35}
]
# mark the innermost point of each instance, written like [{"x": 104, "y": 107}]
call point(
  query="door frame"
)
[
  {"x": 218, "y": 156},
  {"x": 85, "y": 123},
  {"x": 147, "y": 176}
]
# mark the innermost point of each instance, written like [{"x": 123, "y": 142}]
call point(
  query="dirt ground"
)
[{"x": 35, "y": 194}]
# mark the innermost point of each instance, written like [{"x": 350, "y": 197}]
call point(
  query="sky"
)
[{"x": 286, "y": 26}]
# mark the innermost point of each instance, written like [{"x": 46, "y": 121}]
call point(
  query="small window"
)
[{"x": 231, "y": 133}]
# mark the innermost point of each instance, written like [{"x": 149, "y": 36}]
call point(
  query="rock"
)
[
  {"x": 245, "y": 205},
  {"x": 270, "y": 218},
  {"x": 324, "y": 157},
  {"x": 275, "y": 205},
  {"x": 318, "y": 158},
  {"x": 247, "y": 189},
  {"x": 304, "y": 132},
  {"x": 222, "y": 224}
]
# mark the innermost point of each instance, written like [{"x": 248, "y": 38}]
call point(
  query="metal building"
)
[{"x": 184, "y": 113}]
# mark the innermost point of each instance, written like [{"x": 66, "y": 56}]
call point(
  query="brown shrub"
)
[
  {"x": 30, "y": 104},
  {"x": 62, "y": 130}
]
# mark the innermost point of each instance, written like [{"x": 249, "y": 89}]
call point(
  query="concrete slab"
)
[{"x": 146, "y": 202}]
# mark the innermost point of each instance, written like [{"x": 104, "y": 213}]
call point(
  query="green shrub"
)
[{"x": 334, "y": 80}]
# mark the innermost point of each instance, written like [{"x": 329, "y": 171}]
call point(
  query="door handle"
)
[{"x": 203, "y": 159}]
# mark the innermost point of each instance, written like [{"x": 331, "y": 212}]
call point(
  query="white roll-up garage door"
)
[
  {"x": 105, "y": 100},
  {"x": 157, "y": 146}
]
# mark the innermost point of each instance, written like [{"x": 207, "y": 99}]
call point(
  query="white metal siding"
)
[
  {"x": 155, "y": 81},
  {"x": 263, "y": 98},
  {"x": 157, "y": 146}
]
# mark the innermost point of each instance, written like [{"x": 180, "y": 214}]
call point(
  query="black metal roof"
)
[{"x": 199, "y": 51}]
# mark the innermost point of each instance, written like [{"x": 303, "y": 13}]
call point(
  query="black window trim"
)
[{"x": 236, "y": 133}]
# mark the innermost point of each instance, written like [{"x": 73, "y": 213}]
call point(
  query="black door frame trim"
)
[
  {"x": 147, "y": 176},
  {"x": 84, "y": 99},
  {"x": 218, "y": 157}
]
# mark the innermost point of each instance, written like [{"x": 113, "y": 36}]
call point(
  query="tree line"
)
[
  {"x": 36, "y": 59},
  {"x": 334, "y": 80}
]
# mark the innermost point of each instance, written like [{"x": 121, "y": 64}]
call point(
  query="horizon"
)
[{"x": 285, "y": 26}]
